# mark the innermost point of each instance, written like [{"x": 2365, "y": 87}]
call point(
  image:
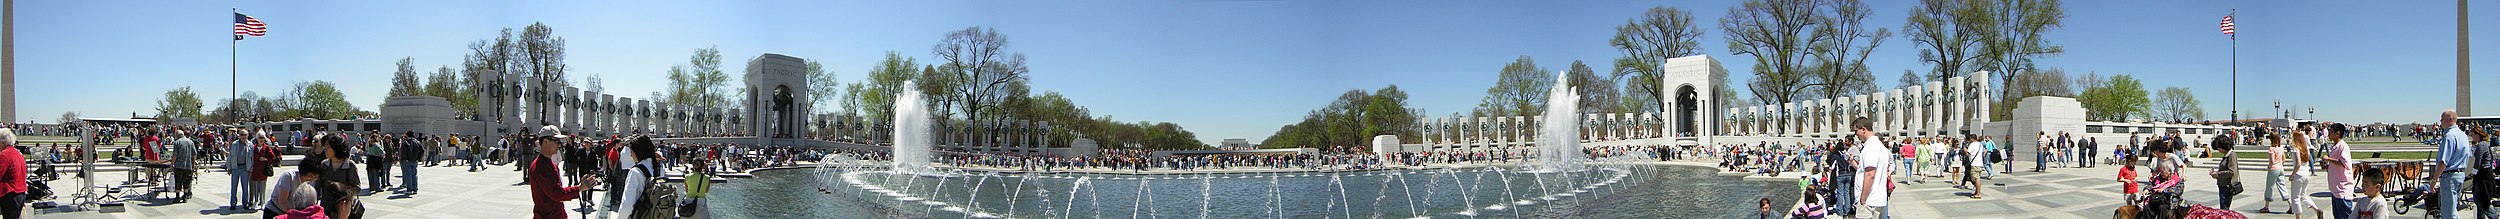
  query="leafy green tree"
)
[
  {"x": 1519, "y": 90},
  {"x": 1646, "y": 42},
  {"x": 404, "y": 82},
  {"x": 822, "y": 87},
  {"x": 876, "y": 98},
  {"x": 2113, "y": 99},
  {"x": 2176, "y": 104},
  {"x": 700, "y": 82},
  {"x": 444, "y": 83},
  {"x": 322, "y": 100},
  {"x": 178, "y": 103},
  {"x": 1351, "y": 121}
]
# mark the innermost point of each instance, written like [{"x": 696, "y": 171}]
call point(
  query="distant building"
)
[{"x": 1236, "y": 144}]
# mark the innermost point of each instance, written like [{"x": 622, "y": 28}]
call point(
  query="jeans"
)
[
  {"x": 239, "y": 195},
  {"x": 255, "y": 194},
  {"x": 1990, "y": 168},
  {"x": 408, "y": 180},
  {"x": 474, "y": 157},
  {"x": 2343, "y": 208},
  {"x": 2449, "y": 182},
  {"x": 1843, "y": 195},
  {"x": 1909, "y": 167},
  {"x": 2040, "y": 161}
]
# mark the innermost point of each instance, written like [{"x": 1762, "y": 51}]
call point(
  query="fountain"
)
[
  {"x": 911, "y": 132},
  {"x": 1558, "y": 141},
  {"x": 1561, "y": 182}
]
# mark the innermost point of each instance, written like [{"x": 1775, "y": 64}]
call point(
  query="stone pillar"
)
[
  {"x": 511, "y": 109},
  {"x": 1981, "y": 95},
  {"x": 1934, "y": 107},
  {"x": 643, "y": 120},
  {"x": 566, "y": 107},
  {"x": 1953, "y": 110},
  {"x": 1881, "y": 114}
]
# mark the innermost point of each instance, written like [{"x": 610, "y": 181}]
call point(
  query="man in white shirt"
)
[{"x": 1874, "y": 160}]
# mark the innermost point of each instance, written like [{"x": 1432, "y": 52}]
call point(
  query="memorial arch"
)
[{"x": 1692, "y": 109}]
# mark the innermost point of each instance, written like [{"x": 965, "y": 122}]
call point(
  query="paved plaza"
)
[
  {"x": 453, "y": 192},
  {"x": 448, "y": 192}
]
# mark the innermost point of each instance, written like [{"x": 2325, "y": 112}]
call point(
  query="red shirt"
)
[
  {"x": 147, "y": 148},
  {"x": 547, "y": 190},
  {"x": 2128, "y": 173},
  {"x": 12, "y": 170}
]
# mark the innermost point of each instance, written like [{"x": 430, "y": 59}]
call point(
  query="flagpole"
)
[
  {"x": 233, "y": 77},
  {"x": 2235, "y": 67}
]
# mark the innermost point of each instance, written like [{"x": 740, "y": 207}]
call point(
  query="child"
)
[
  {"x": 1812, "y": 207},
  {"x": 2372, "y": 204},
  {"x": 2126, "y": 177}
]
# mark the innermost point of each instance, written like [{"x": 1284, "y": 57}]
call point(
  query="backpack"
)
[{"x": 659, "y": 199}]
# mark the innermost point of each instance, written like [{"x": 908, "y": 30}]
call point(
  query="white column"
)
[
  {"x": 1982, "y": 95},
  {"x": 1954, "y": 110}
]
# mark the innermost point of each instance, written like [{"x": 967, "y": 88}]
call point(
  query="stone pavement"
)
[
  {"x": 452, "y": 192},
  {"x": 2076, "y": 193},
  {"x": 447, "y": 192}
]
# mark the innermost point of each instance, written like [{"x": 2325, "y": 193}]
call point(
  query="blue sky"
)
[{"x": 1225, "y": 69}]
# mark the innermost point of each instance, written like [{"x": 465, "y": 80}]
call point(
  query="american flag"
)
[
  {"x": 246, "y": 25},
  {"x": 2228, "y": 28}
]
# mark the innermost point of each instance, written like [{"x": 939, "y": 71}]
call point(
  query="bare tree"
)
[
  {"x": 978, "y": 58},
  {"x": 1839, "y": 61},
  {"x": 1776, "y": 33},
  {"x": 1646, "y": 43}
]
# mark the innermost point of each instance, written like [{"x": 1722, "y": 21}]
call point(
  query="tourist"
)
[
  {"x": 341, "y": 170},
  {"x": 1763, "y": 208},
  {"x": 547, "y": 191},
  {"x": 1970, "y": 149},
  {"x": 12, "y": 176},
  {"x": 2227, "y": 173},
  {"x": 698, "y": 185},
  {"x": 1875, "y": 195},
  {"x": 299, "y": 202},
  {"x": 2454, "y": 155},
  {"x": 1909, "y": 159},
  {"x": 2040, "y": 158},
  {"x": 410, "y": 156},
  {"x": 2373, "y": 202},
  {"x": 185, "y": 151},
  {"x": 476, "y": 153},
  {"x": 2274, "y": 189},
  {"x": 378, "y": 161},
  {"x": 1989, "y": 151},
  {"x": 1842, "y": 161},
  {"x": 2128, "y": 187},
  {"x": 640, "y": 169},
  {"x": 2091, "y": 147},
  {"x": 2339, "y": 181},
  {"x": 2484, "y": 182},
  {"x": 239, "y": 173},
  {"x": 264, "y": 163},
  {"x": 340, "y": 197},
  {"x": 2299, "y": 188},
  {"x": 2168, "y": 185},
  {"x": 290, "y": 188}
]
